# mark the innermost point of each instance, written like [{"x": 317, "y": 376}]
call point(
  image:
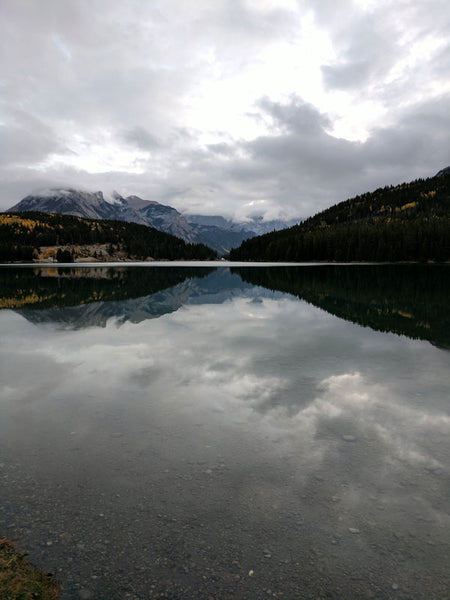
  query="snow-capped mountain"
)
[{"x": 90, "y": 205}]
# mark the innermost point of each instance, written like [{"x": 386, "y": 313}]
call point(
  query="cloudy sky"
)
[{"x": 233, "y": 107}]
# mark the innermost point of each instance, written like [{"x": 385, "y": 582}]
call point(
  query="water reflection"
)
[
  {"x": 83, "y": 296},
  {"x": 410, "y": 300},
  {"x": 245, "y": 432}
]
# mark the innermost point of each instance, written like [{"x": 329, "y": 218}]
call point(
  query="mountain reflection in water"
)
[
  {"x": 410, "y": 300},
  {"x": 193, "y": 434}
]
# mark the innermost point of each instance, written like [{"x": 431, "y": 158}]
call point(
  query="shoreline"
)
[
  {"x": 215, "y": 263},
  {"x": 21, "y": 579}
]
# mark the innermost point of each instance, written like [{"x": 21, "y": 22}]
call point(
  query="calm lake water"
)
[{"x": 228, "y": 433}]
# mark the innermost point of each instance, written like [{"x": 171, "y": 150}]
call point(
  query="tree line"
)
[
  {"x": 22, "y": 234},
  {"x": 408, "y": 222}
]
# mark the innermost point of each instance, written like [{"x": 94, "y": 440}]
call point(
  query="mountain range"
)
[{"x": 214, "y": 231}]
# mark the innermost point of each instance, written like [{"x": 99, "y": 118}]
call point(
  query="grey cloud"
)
[
  {"x": 18, "y": 145},
  {"x": 237, "y": 29},
  {"x": 297, "y": 116},
  {"x": 365, "y": 47},
  {"x": 221, "y": 149},
  {"x": 297, "y": 172},
  {"x": 416, "y": 145},
  {"x": 369, "y": 42},
  {"x": 25, "y": 138},
  {"x": 314, "y": 171},
  {"x": 441, "y": 62},
  {"x": 303, "y": 169},
  {"x": 141, "y": 138},
  {"x": 111, "y": 76},
  {"x": 131, "y": 73},
  {"x": 345, "y": 76}
]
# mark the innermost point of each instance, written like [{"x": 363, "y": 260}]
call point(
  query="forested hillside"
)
[
  {"x": 23, "y": 235},
  {"x": 408, "y": 222}
]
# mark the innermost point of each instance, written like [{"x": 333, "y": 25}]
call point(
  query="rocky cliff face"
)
[
  {"x": 94, "y": 206},
  {"x": 90, "y": 205},
  {"x": 166, "y": 218}
]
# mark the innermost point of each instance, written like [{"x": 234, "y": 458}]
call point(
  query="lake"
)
[{"x": 225, "y": 432}]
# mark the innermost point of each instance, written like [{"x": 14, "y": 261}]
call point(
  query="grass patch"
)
[{"x": 21, "y": 581}]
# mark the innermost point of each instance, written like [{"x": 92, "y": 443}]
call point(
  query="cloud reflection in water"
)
[{"x": 319, "y": 423}]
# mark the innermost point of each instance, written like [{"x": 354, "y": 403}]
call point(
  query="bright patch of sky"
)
[
  {"x": 279, "y": 70},
  {"x": 100, "y": 155}
]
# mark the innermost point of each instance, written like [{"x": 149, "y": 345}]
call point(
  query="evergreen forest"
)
[
  {"x": 23, "y": 234},
  {"x": 407, "y": 222}
]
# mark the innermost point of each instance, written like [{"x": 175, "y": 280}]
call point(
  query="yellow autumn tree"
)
[{"x": 50, "y": 253}]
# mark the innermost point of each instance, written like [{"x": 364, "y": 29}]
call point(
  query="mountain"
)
[
  {"x": 254, "y": 226},
  {"x": 223, "y": 234},
  {"x": 216, "y": 232},
  {"x": 219, "y": 233},
  {"x": 260, "y": 227},
  {"x": 67, "y": 202},
  {"x": 407, "y": 222},
  {"x": 166, "y": 218},
  {"x": 92, "y": 205}
]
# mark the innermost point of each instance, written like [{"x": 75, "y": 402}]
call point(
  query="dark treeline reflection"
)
[
  {"x": 411, "y": 300},
  {"x": 51, "y": 287}
]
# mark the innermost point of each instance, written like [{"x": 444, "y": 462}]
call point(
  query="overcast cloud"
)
[{"x": 233, "y": 107}]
